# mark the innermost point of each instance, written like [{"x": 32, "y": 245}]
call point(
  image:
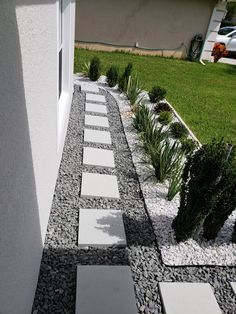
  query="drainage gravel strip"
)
[{"x": 57, "y": 279}]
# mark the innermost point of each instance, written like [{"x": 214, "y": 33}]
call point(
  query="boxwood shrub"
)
[
  {"x": 156, "y": 94},
  {"x": 178, "y": 130},
  {"x": 95, "y": 69}
]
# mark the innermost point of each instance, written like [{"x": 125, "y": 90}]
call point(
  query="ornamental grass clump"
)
[
  {"x": 204, "y": 183},
  {"x": 142, "y": 118},
  {"x": 112, "y": 76},
  {"x": 175, "y": 178},
  {"x": 165, "y": 117},
  {"x": 95, "y": 69},
  {"x": 134, "y": 92},
  {"x": 124, "y": 79},
  {"x": 164, "y": 156},
  {"x": 85, "y": 68},
  {"x": 157, "y": 94},
  {"x": 178, "y": 130}
]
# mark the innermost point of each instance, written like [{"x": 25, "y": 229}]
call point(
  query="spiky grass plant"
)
[
  {"x": 175, "y": 179},
  {"x": 141, "y": 118},
  {"x": 134, "y": 92},
  {"x": 85, "y": 68}
]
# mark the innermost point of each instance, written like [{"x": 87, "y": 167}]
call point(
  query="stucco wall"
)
[
  {"x": 151, "y": 23},
  {"x": 30, "y": 156}
]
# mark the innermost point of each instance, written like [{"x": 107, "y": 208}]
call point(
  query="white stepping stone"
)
[
  {"x": 99, "y": 185},
  {"x": 97, "y": 136},
  {"x": 98, "y": 157},
  {"x": 96, "y": 121},
  {"x": 105, "y": 290},
  {"x": 95, "y": 98},
  {"x": 188, "y": 298},
  {"x": 101, "y": 228},
  {"x": 85, "y": 87},
  {"x": 233, "y": 285},
  {"x": 95, "y": 108}
]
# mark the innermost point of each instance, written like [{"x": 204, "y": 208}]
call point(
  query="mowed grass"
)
[{"x": 204, "y": 96}]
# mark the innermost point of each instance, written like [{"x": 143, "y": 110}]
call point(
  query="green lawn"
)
[{"x": 205, "y": 96}]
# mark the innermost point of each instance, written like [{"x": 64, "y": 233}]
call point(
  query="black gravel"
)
[{"x": 57, "y": 279}]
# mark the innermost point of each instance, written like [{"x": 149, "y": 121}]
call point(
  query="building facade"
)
[{"x": 36, "y": 87}]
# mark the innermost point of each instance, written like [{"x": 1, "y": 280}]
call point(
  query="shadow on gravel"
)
[{"x": 57, "y": 281}]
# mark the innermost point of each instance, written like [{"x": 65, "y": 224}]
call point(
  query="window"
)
[{"x": 225, "y": 31}]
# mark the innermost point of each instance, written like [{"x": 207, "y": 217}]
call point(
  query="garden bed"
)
[{"x": 162, "y": 212}]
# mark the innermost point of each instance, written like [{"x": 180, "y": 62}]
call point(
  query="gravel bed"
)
[
  {"x": 219, "y": 252},
  {"x": 57, "y": 280}
]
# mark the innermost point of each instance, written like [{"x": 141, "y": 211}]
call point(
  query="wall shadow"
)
[{"x": 20, "y": 236}]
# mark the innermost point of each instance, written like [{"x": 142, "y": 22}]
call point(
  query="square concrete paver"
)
[
  {"x": 96, "y": 136},
  {"x": 188, "y": 298},
  {"x": 233, "y": 285},
  {"x": 95, "y": 98},
  {"x": 101, "y": 228},
  {"x": 95, "y": 108},
  {"x": 98, "y": 157},
  {"x": 105, "y": 290},
  {"x": 85, "y": 87},
  {"x": 99, "y": 185},
  {"x": 96, "y": 121}
]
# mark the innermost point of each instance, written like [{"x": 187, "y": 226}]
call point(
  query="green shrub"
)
[
  {"x": 224, "y": 199},
  {"x": 157, "y": 94},
  {"x": 134, "y": 92},
  {"x": 85, "y": 68},
  {"x": 188, "y": 145},
  {"x": 178, "y": 130},
  {"x": 95, "y": 69},
  {"x": 162, "y": 106},
  {"x": 165, "y": 117},
  {"x": 112, "y": 76},
  {"x": 201, "y": 188},
  {"x": 123, "y": 81}
]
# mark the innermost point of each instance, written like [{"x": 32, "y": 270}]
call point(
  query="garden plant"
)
[
  {"x": 124, "y": 79},
  {"x": 165, "y": 117},
  {"x": 95, "y": 69},
  {"x": 157, "y": 94},
  {"x": 205, "y": 180},
  {"x": 112, "y": 76},
  {"x": 178, "y": 130}
]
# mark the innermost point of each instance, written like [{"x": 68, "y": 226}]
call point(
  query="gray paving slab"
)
[
  {"x": 188, "y": 298},
  {"x": 101, "y": 228},
  {"x": 99, "y": 185},
  {"x": 95, "y": 108},
  {"x": 95, "y": 98},
  {"x": 233, "y": 285},
  {"x": 96, "y": 121},
  {"x": 98, "y": 157},
  {"x": 86, "y": 87},
  {"x": 97, "y": 136},
  {"x": 105, "y": 290}
]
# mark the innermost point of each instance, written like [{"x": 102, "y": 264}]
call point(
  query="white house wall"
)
[{"x": 30, "y": 150}]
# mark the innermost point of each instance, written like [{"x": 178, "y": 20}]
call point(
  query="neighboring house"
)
[
  {"x": 165, "y": 25},
  {"x": 36, "y": 87}
]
